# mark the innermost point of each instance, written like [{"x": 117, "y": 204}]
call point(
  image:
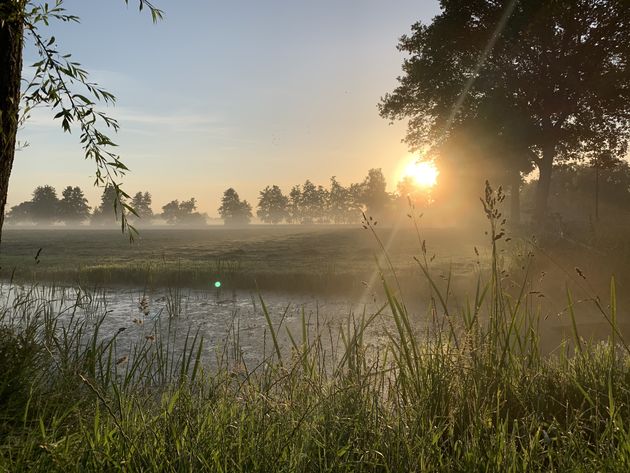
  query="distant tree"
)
[
  {"x": 294, "y": 207},
  {"x": 73, "y": 206},
  {"x": 45, "y": 205},
  {"x": 355, "y": 202},
  {"x": 375, "y": 197},
  {"x": 310, "y": 203},
  {"x": 141, "y": 203},
  {"x": 338, "y": 202},
  {"x": 182, "y": 213},
  {"x": 233, "y": 211},
  {"x": 105, "y": 213},
  {"x": 170, "y": 212},
  {"x": 21, "y": 213},
  {"x": 272, "y": 205},
  {"x": 548, "y": 78},
  {"x": 323, "y": 201}
]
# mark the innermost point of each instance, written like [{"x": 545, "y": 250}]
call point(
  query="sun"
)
[{"x": 423, "y": 173}]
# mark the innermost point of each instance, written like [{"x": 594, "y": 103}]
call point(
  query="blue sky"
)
[{"x": 231, "y": 94}]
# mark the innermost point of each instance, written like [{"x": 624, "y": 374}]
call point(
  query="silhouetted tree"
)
[
  {"x": 105, "y": 213},
  {"x": 141, "y": 204},
  {"x": 182, "y": 213},
  {"x": 272, "y": 205},
  {"x": 233, "y": 211},
  {"x": 295, "y": 197},
  {"x": 549, "y": 78},
  {"x": 338, "y": 202},
  {"x": 21, "y": 213},
  {"x": 73, "y": 206},
  {"x": 355, "y": 201},
  {"x": 311, "y": 205},
  {"x": 45, "y": 205},
  {"x": 375, "y": 197}
]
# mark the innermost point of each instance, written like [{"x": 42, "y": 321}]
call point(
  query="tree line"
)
[
  {"x": 305, "y": 203},
  {"x": 309, "y": 203},
  {"x": 45, "y": 207}
]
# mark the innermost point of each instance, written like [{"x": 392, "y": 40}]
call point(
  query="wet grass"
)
[
  {"x": 317, "y": 259},
  {"x": 473, "y": 392}
]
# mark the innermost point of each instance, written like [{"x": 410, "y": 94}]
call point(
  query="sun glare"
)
[{"x": 423, "y": 173}]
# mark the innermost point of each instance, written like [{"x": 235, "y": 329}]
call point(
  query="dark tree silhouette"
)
[
  {"x": 73, "y": 206},
  {"x": 339, "y": 203},
  {"x": 375, "y": 197},
  {"x": 295, "y": 197},
  {"x": 141, "y": 203},
  {"x": 21, "y": 213},
  {"x": 272, "y": 205},
  {"x": 182, "y": 213},
  {"x": 233, "y": 211},
  {"x": 311, "y": 203},
  {"x": 105, "y": 213},
  {"x": 45, "y": 205},
  {"x": 548, "y": 77}
]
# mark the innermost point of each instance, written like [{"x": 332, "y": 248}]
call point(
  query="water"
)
[{"x": 234, "y": 321}]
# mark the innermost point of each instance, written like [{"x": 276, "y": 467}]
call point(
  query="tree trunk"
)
[
  {"x": 11, "y": 39},
  {"x": 515, "y": 197},
  {"x": 545, "y": 166}
]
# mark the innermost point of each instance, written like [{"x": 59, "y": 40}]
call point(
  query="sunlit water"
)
[{"x": 234, "y": 321}]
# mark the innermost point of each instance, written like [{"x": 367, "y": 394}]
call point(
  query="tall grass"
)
[{"x": 471, "y": 393}]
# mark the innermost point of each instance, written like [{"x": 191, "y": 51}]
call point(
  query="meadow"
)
[
  {"x": 479, "y": 349},
  {"x": 289, "y": 258},
  {"x": 470, "y": 389}
]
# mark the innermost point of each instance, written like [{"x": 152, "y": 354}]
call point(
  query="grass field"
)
[
  {"x": 288, "y": 258},
  {"x": 472, "y": 392}
]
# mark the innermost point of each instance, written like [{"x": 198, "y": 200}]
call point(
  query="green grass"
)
[
  {"x": 473, "y": 392},
  {"x": 288, "y": 258}
]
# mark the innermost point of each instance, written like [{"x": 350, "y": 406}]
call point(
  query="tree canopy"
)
[
  {"x": 544, "y": 81},
  {"x": 233, "y": 210}
]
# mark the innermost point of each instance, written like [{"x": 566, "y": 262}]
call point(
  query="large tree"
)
[
  {"x": 73, "y": 206},
  {"x": 375, "y": 196},
  {"x": 141, "y": 203},
  {"x": 272, "y": 205},
  {"x": 543, "y": 79},
  {"x": 45, "y": 205},
  {"x": 59, "y": 83},
  {"x": 183, "y": 213},
  {"x": 105, "y": 213},
  {"x": 233, "y": 210}
]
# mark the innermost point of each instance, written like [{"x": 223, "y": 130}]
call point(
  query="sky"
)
[{"x": 221, "y": 94}]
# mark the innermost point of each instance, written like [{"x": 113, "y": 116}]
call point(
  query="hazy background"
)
[{"x": 220, "y": 94}]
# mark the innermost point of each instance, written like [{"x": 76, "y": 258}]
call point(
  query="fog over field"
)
[{"x": 314, "y": 236}]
